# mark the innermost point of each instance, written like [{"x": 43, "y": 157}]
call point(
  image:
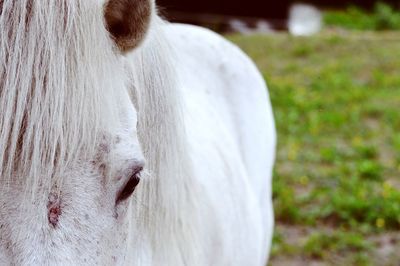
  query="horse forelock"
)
[{"x": 58, "y": 75}]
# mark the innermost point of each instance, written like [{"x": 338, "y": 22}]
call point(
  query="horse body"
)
[
  {"x": 84, "y": 105},
  {"x": 232, "y": 140}
]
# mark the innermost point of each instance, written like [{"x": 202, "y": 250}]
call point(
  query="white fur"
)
[
  {"x": 205, "y": 129},
  {"x": 232, "y": 140}
]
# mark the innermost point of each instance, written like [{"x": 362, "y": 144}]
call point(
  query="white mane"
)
[
  {"x": 55, "y": 86},
  {"x": 168, "y": 196},
  {"x": 60, "y": 84}
]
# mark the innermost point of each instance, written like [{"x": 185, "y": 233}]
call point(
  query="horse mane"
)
[
  {"x": 55, "y": 69},
  {"x": 60, "y": 83},
  {"x": 167, "y": 199}
]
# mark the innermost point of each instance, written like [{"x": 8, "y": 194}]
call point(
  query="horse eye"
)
[{"x": 130, "y": 186}]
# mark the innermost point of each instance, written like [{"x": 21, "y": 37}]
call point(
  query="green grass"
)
[
  {"x": 336, "y": 98},
  {"x": 383, "y": 17}
]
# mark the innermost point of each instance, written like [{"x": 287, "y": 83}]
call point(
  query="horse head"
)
[{"x": 70, "y": 157}]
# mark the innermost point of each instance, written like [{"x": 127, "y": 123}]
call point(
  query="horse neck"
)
[{"x": 169, "y": 194}]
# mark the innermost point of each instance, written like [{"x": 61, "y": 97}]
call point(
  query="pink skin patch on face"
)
[{"x": 54, "y": 209}]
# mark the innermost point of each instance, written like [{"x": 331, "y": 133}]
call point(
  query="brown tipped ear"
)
[{"x": 128, "y": 21}]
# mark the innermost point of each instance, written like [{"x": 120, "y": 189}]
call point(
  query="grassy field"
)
[{"x": 336, "y": 99}]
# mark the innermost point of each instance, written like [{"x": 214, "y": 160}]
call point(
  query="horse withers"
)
[{"x": 125, "y": 140}]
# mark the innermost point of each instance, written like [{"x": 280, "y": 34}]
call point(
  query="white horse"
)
[{"x": 96, "y": 95}]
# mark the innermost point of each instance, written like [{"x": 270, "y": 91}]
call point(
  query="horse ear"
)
[{"x": 128, "y": 21}]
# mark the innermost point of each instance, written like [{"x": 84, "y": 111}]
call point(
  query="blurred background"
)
[{"x": 333, "y": 71}]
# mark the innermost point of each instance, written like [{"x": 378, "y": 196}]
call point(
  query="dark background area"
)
[{"x": 274, "y": 10}]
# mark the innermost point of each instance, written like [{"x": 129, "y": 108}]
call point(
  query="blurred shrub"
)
[{"x": 383, "y": 17}]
